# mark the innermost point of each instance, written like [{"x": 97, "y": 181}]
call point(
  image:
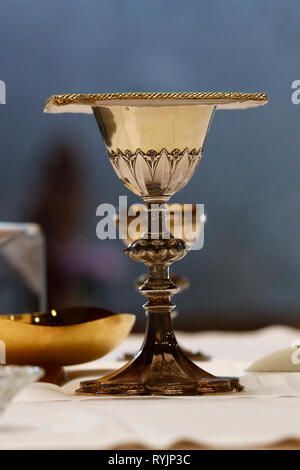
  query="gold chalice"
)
[
  {"x": 184, "y": 220},
  {"x": 155, "y": 142}
]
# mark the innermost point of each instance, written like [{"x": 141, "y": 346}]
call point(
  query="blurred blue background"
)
[{"x": 248, "y": 272}]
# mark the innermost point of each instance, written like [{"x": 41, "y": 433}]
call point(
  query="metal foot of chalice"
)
[{"x": 155, "y": 142}]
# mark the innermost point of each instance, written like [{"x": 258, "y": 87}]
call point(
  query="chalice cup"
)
[{"x": 154, "y": 143}]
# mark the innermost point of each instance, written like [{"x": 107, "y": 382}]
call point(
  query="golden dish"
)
[{"x": 58, "y": 338}]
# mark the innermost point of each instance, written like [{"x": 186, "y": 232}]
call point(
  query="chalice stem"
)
[
  {"x": 160, "y": 367},
  {"x": 158, "y": 250}
]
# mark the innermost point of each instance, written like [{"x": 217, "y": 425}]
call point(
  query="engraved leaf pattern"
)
[
  {"x": 180, "y": 171},
  {"x": 128, "y": 177},
  {"x": 155, "y": 173},
  {"x": 143, "y": 173},
  {"x": 194, "y": 162},
  {"x": 162, "y": 171}
]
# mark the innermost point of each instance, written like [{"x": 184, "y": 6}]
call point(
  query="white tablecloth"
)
[{"x": 45, "y": 416}]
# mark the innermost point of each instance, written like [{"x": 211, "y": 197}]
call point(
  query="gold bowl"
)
[{"x": 58, "y": 338}]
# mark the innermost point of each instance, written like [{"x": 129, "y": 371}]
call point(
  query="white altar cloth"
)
[{"x": 45, "y": 416}]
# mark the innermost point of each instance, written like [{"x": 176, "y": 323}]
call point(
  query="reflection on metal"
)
[{"x": 60, "y": 337}]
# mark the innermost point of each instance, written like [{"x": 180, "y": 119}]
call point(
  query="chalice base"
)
[
  {"x": 196, "y": 356},
  {"x": 160, "y": 368}
]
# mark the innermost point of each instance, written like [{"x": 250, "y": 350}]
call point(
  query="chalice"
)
[{"x": 154, "y": 143}]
